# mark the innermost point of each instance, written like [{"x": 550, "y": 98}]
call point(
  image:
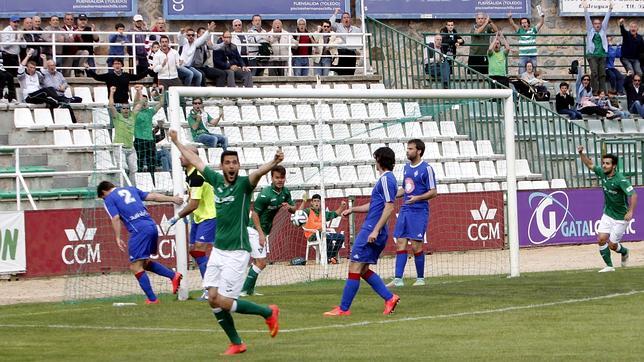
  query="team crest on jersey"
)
[
  {"x": 416, "y": 173},
  {"x": 409, "y": 185}
]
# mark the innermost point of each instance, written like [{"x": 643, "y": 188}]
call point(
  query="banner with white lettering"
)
[
  {"x": 12, "y": 243},
  {"x": 599, "y": 8}
]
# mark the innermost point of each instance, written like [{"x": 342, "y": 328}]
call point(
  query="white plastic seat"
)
[
  {"x": 359, "y": 86},
  {"x": 358, "y": 130},
  {"x": 304, "y": 112},
  {"x": 376, "y": 110},
  {"x": 412, "y": 109},
  {"x": 484, "y": 148},
  {"x": 100, "y": 94},
  {"x": 203, "y": 155},
  {"x": 595, "y": 125},
  {"x": 329, "y": 154},
  {"x": 214, "y": 155},
  {"x": 303, "y": 86},
  {"x": 331, "y": 174},
  {"x": 22, "y": 118},
  {"x": 525, "y": 185},
  {"x": 42, "y": 117},
  {"x": 103, "y": 160},
  {"x": 287, "y": 133},
  {"x": 163, "y": 181},
  {"x": 432, "y": 151},
  {"x": 231, "y": 114},
  {"x": 395, "y": 130},
  {"x": 286, "y": 112},
  {"x": 366, "y": 173},
  {"x": 430, "y": 129},
  {"x": 84, "y": 93},
  {"x": 102, "y": 137},
  {"x": 268, "y": 113},
  {"x": 290, "y": 154},
  {"x": 352, "y": 191},
  {"x": 501, "y": 168},
  {"x": 399, "y": 171},
  {"x": 474, "y": 187},
  {"x": 377, "y": 86},
  {"x": 395, "y": 110},
  {"x": 442, "y": 189},
  {"x": 308, "y": 153},
  {"x": 348, "y": 173},
  {"x": 251, "y": 134},
  {"x": 377, "y": 130},
  {"x": 629, "y": 126},
  {"x": 82, "y": 137},
  {"x": 286, "y": 86},
  {"x": 311, "y": 175},
  {"x": 361, "y": 151},
  {"x": 343, "y": 152},
  {"x": 305, "y": 132},
  {"x": 399, "y": 149},
  {"x": 341, "y": 111},
  {"x": 323, "y": 132},
  {"x": 450, "y": 149},
  {"x": 143, "y": 181},
  {"x": 522, "y": 167},
  {"x": 323, "y": 111},
  {"x": 466, "y": 148},
  {"x": 491, "y": 186},
  {"x": 359, "y": 111},
  {"x": 253, "y": 155},
  {"x": 340, "y": 86},
  {"x": 341, "y": 131},
  {"x": 457, "y": 188},
  {"x": 448, "y": 128},
  {"x": 62, "y": 137},
  {"x": 612, "y": 126},
  {"x": 438, "y": 170},
  {"x": 452, "y": 170},
  {"x": 558, "y": 183},
  {"x": 375, "y": 146},
  {"x": 269, "y": 133},
  {"x": 294, "y": 176},
  {"x": 233, "y": 134},
  {"x": 323, "y": 86},
  {"x": 469, "y": 170},
  {"x": 487, "y": 169},
  {"x": 541, "y": 184},
  {"x": 249, "y": 113}
]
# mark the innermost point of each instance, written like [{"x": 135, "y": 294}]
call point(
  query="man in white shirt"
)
[
  {"x": 191, "y": 76},
  {"x": 347, "y": 53},
  {"x": 11, "y": 52},
  {"x": 166, "y": 63},
  {"x": 281, "y": 43}
]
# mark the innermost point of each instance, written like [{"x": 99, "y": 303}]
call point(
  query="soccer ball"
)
[{"x": 299, "y": 218}]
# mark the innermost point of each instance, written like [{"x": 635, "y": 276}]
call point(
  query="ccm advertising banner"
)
[
  {"x": 414, "y": 9},
  {"x": 599, "y": 8},
  {"x": 12, "y": 243},
  {"x": 553, "y": 217},
  {"x": 269, "y": 9},
  {"x": 93, "y": 8}
]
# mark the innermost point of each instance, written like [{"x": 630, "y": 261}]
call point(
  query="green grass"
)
[{"x": 539, "y": 316}]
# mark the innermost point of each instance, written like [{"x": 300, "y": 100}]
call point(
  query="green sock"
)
[
  {"x": 251, "y": 279},
  {"x": 246, "y": 307},
  {"x": 621, "y": 249},
  {"x": 228, "y": 325},
  {"x": 605, "y": 253}
]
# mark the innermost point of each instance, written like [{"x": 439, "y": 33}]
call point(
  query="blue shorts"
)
[
  {"x": 411, "y": 224},
  {"x": 204, "y": 232},
  {"x": 143, "y": 243},
  {"x": 368, "y": 253}
]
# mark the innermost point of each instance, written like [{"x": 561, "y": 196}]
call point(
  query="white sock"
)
[
  {"x": 233, "y": 308},
  {"x": 256, "y": 269}
]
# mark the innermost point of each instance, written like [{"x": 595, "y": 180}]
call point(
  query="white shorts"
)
[
  {"x": 256, "y": 250},
  {"x": 615, "y": 228},
  {"x": 226, "y": 271}
]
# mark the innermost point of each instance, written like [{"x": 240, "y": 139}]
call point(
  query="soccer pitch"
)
[{"x": 572, "y": 315}]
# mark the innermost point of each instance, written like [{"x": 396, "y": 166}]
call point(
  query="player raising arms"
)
[
  {"x": 229, "y": 257},
  {"x": 372, "y": 238},
  {"x": 270, "y": 200},
  {"x": 126, "y": 204},
  {"x": 620, "y": 200},
  {"x": 419, "y": 186}
]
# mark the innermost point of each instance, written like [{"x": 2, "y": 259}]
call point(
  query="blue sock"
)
[
  {"x": 160, "y": 269},
  {"x": 419, "y": 260},
  {"x": 377, "y": 284},
  {"x": 144, "y": 282},
  {"x": 401, "y": 261},
  {"x": 201, "y": 259},
  {"x": 350, "y": 290}
]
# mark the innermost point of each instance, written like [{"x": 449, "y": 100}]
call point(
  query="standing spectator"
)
[
  {"x": 191, "y": 76},
  {"x": 497, "y": 67},
  {"x": 123, "y": 122},
  {"x": 196, "y": 120},
  {"x": 451, "y": 42},
  {"x": 565, "y": 104},
  {"x": 29, "y": 37},
  {"x": 144, "y": 143},
  {"x": 615, "y": 77},
  {"x": 154, "y": 48},
  {"x": 139, "y": 52},
  {"x": 54, "y": 25},
  {"x": 11, "y": 52},
  {"x": 302, "y": 51},
  {"x": 527, "y": 40},
  {"x": 37, "y": 23},
  {"x": 634, "y": 94},
  {"x": 477, "y": 59},
  {"x": 326, "y": 52},
  {"x": 159, "y": 26},
  {"x": 241, "y": 41},
  {"x": 116, "y": 78},
  {"x": 67, "y": 61},
  {"x": 163, "y": 154},
  {"x": 347, "y": 53},
  {"x": 281, "y": 42},
  {"x": 256, "y": 60},
  {"x": 227, "y": 58},
  {"x": 85, "y": 51},
  {"x": 632, "y": 45},
  {"x": 6, "y": 79},
  {"x": 436, "y": 63},
  {"x": 120, "y": 39},
  {"x": 203, "y": 64},
  {"x": 597, "y": 46},
  {"x": 165, "y": 63}
]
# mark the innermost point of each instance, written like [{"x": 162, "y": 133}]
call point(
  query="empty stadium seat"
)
[
  {"x": 412, "y": 109},
  {"x": 294, "y": 176},
  {"x": 62, "y": 117},
  {"x": 340, "y": 111},
  {"x": 322, "y": 111},
  {"x": 268, "y": 113},
  {"x": 366, "y": 173},
  {"x": 491, "y": 186},
  {"x": 541, "y": 185},
  {"x": 22, "y": 118},
  {"x": 203, "y": 155},
  {"x": 474, "y": 187},
  {"x": 84, "y": 93},
  {"x": 452, "y": 170},
  {"x": 430, "y": 129},
  {"x": 448, "y": 128},
  {"x": 42, "y": 117},
  {"x": 163, "y": 182},
  {"x": 101, "y": 94},
  {"x": 438, "y": 170},
  {"x": 612, "y": 126},
  {"x": 395, "y": 109},
  {"x": 458, "y": 187},
  {"x": 358, "y": 130},
  {"x": 395, "y": 130},
  {"x": 450, "y": 149},
  {"x": 469, "y": 171},
  {"x": 287, "y": 133},
  {"x": 102, "y": 137},
  {"x": 62, "y": 137},
  {"x": 249, "y": 113},
  {"x": 268, "y": 133},
  {"x": 82, "y": 137},
  {"x": 341, "y": 131},
  {"x": 103, "y": 160},
  {"x": 251, "y": 134},
  {"x": 231, "y": 114},
  {"x": 359, "y": 111},
  {"x": 595, "y": 125},
  {"x": 377, "y": 130},
  {"x": 376, "y": 110},
  {"x": 525, "y": 185},
  {"x": 484, "y": 148},
  {"x": 291, "y": 154},
  {"x": 253, "y": 155},
  {"x": 487, "y": 169},
  {"x": 324, "y": 132},
  {"x": 432, "y": 151},
  {"x": 305, "y": 132},
  {"x": 442, "y": 189},
  {"x": 629, "y": 126},
  {"x": 558, "y": 183},
  {"x": 143, "y": 181},
  {"x": 343, "y": 152},
  {"x": 348, "y": 173},
  {"x": 304, "y": 112},
  {"x": 466, "y": 149}
]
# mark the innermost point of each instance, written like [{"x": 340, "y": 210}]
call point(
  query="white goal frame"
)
[{"x": 508, "y": 106}]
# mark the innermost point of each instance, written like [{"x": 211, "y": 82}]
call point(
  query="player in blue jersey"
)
[
  {"x": 126, "y": 204},
  {"x": 419, "y": 186},
  {"x": 372, "y": 238}
]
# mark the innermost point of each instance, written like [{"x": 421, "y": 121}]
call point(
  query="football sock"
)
[
  {"x": 160, "y": 269},
  {"x": 621, "y": 249},
  {"x": 350, "y": 290},
  {"x": 401, "y": 261},
  {"x": 246, "y": 307},
  {"x": 144, "y": 282},
  {"x": 251, "y": 279},
  {"x": 201, "y": 259},
  {"x": 604, "y": 251},
  {"x": 226, "y": 322},
  {"x": 419, "y": 260},
  {"x": 377, "y": 284}
]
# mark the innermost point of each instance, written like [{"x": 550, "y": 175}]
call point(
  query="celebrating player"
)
[
  {"x": 230, "y": 255},
  {"x": 619, "y": 203},
  {"x": 204, "y": 215},
  {"x": 126, "y": 204},
  {"x": 419, "y": 186},
  {"x": 372, "y": 238},
  {"x": 270, "y": 200}
]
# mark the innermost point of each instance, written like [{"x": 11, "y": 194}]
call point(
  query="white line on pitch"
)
[
  {"x": 335, "y": 326},
  {"x": 50, "y": 312}
]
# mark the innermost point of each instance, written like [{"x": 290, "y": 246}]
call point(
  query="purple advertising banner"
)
[
  {"x": 93, "y": 8},
  {"x": 569, "y": 216},
  {"x": 441, "y": 9},
  {"x": 269, "y": 9}
]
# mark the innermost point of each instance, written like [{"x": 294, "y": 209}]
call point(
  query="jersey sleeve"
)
[
  {"x": 389, "y": 188},
  {"x": 142, "y": 194},
  {"x": 598, "y": 171},
  {"x": 111, "y": 208},
  {"x": 626, "y": 186},
  {"x": 212, "y": 177},
  {"x": 196, "y": 182},
  {"x": 248, "y": 188},
  {"x": 430, "y": 178},
  {"x": 261, "y": 203}
]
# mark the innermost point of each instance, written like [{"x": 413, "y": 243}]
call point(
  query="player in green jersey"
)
[
  {"x": 229, "y": 257},
  {"x": 270, "y": 200},
  {"x": 620, "y": 200}
]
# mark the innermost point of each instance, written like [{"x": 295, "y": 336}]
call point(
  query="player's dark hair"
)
[
  {"x": 104, "y": 186},
  {"x": 612, "y": 157},
  {"x": 420, "y": 145},
  {"x": 228, "y": 153},
  {"x": 279, "y": 169},
  {"x": 316, "y": 197},
  {"x": 385, "y": 157}
]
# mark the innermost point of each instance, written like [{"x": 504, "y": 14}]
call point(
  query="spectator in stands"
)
[
  {"x": 54, "y": 79},
  {"x": 165, "y": 63},
  {"x": 27, "y": 27},
  {"x": 348, "y": 52},
  {"x": 123, "y": 122},
  {"x": 614, "y": 102},
  {"x": 116, "y": 78},
  {"x": 602, "y": 100},
  {"x": 585, "y": 97},
  {"x": 159, "y": 26},
  {"x": 203, "y": 62},
  {"x": 565, "y": 104},
  {"x": 597, "y": 46},
  {"x": 144, "y": 143},
  {"x": 85, "y": 51},
  {"x": 478, "y": 59},
  {"x": 120, "y": 39},
  {"x": 54, "y": 25},
  {"x": 140, "y": 53},
  {"x": 67, "y": 61},
  {"x": 189, "y": 44},
  {"x": 227, "y": 58},
  {"x": 634, "y": 94},
  {"x": 241, "y": 41},
  {"x": 154, "y": 48},
  {"x": 497, "y": 67},
  {"x": 451, "y": 41},
  {"x": 302, "y": 50},
  {"x": 333, "y": 240},
  {"x": 6, "y": 80},
  {"x": 197, "y": 120},
  {"x": 436, "y": 63},
  {"x": 11, "y": 52},
  {"x": 615, "y": 77},
  {"x": 326, "y": 52},
  {"x": 529, "y": 75},
  {"x": 163, "y": 154},
  {"x": 258, "y": 55},
  {"x": 527, "y": 40},
  {"x": 281, "y": 43},
  {"x": 633, "y": 45}
]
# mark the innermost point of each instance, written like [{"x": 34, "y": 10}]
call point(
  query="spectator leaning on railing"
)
[
  {"x": 527, "y": 40},
  {"x": 54, "y": 25},
  {"x": 140, "y": 53},
  {"x": 85, "y": 51},
  {"x": 325, "y": 53},
  {"x": 256, "y": 60},
  {"x": 11, "y": 52},
  {"x": 436, "y": 63},
  {"x": 68, "y": 50},
  {"x": 119, "y": 39},
  {"x": 302, "y": 51},
  {"x": 29, "y": 37},
  {"x": 480, "y": 42},
  {"x": 451, "y": 41},
  {"x": 597, "y": 46},
  {"x": 281, "y": 43},
  {"x": 632, "y": 46},
  {"x": 346, "y": 52}
]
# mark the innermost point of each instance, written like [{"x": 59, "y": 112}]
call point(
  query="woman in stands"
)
[{"x": 584, "y": 93}]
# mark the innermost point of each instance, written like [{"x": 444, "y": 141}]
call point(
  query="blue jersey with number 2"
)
[{"x": 127, "y": 202}]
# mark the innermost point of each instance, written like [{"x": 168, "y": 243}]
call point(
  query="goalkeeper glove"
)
[{"x": 175, "y": 219}]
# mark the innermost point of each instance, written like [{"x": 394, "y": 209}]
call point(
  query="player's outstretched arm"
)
[
  {"x": 357, "y": 209},
  {"x": 305, "y": 198},
  {"x": 341, "y": 208},
  {"x": 584, "y": 158},
  {"x": 265, "y": 168},
  {"x": 152, "y": 196},
  {"x": 190, "y": 156},
  {"x": 193, "y": 204}
]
